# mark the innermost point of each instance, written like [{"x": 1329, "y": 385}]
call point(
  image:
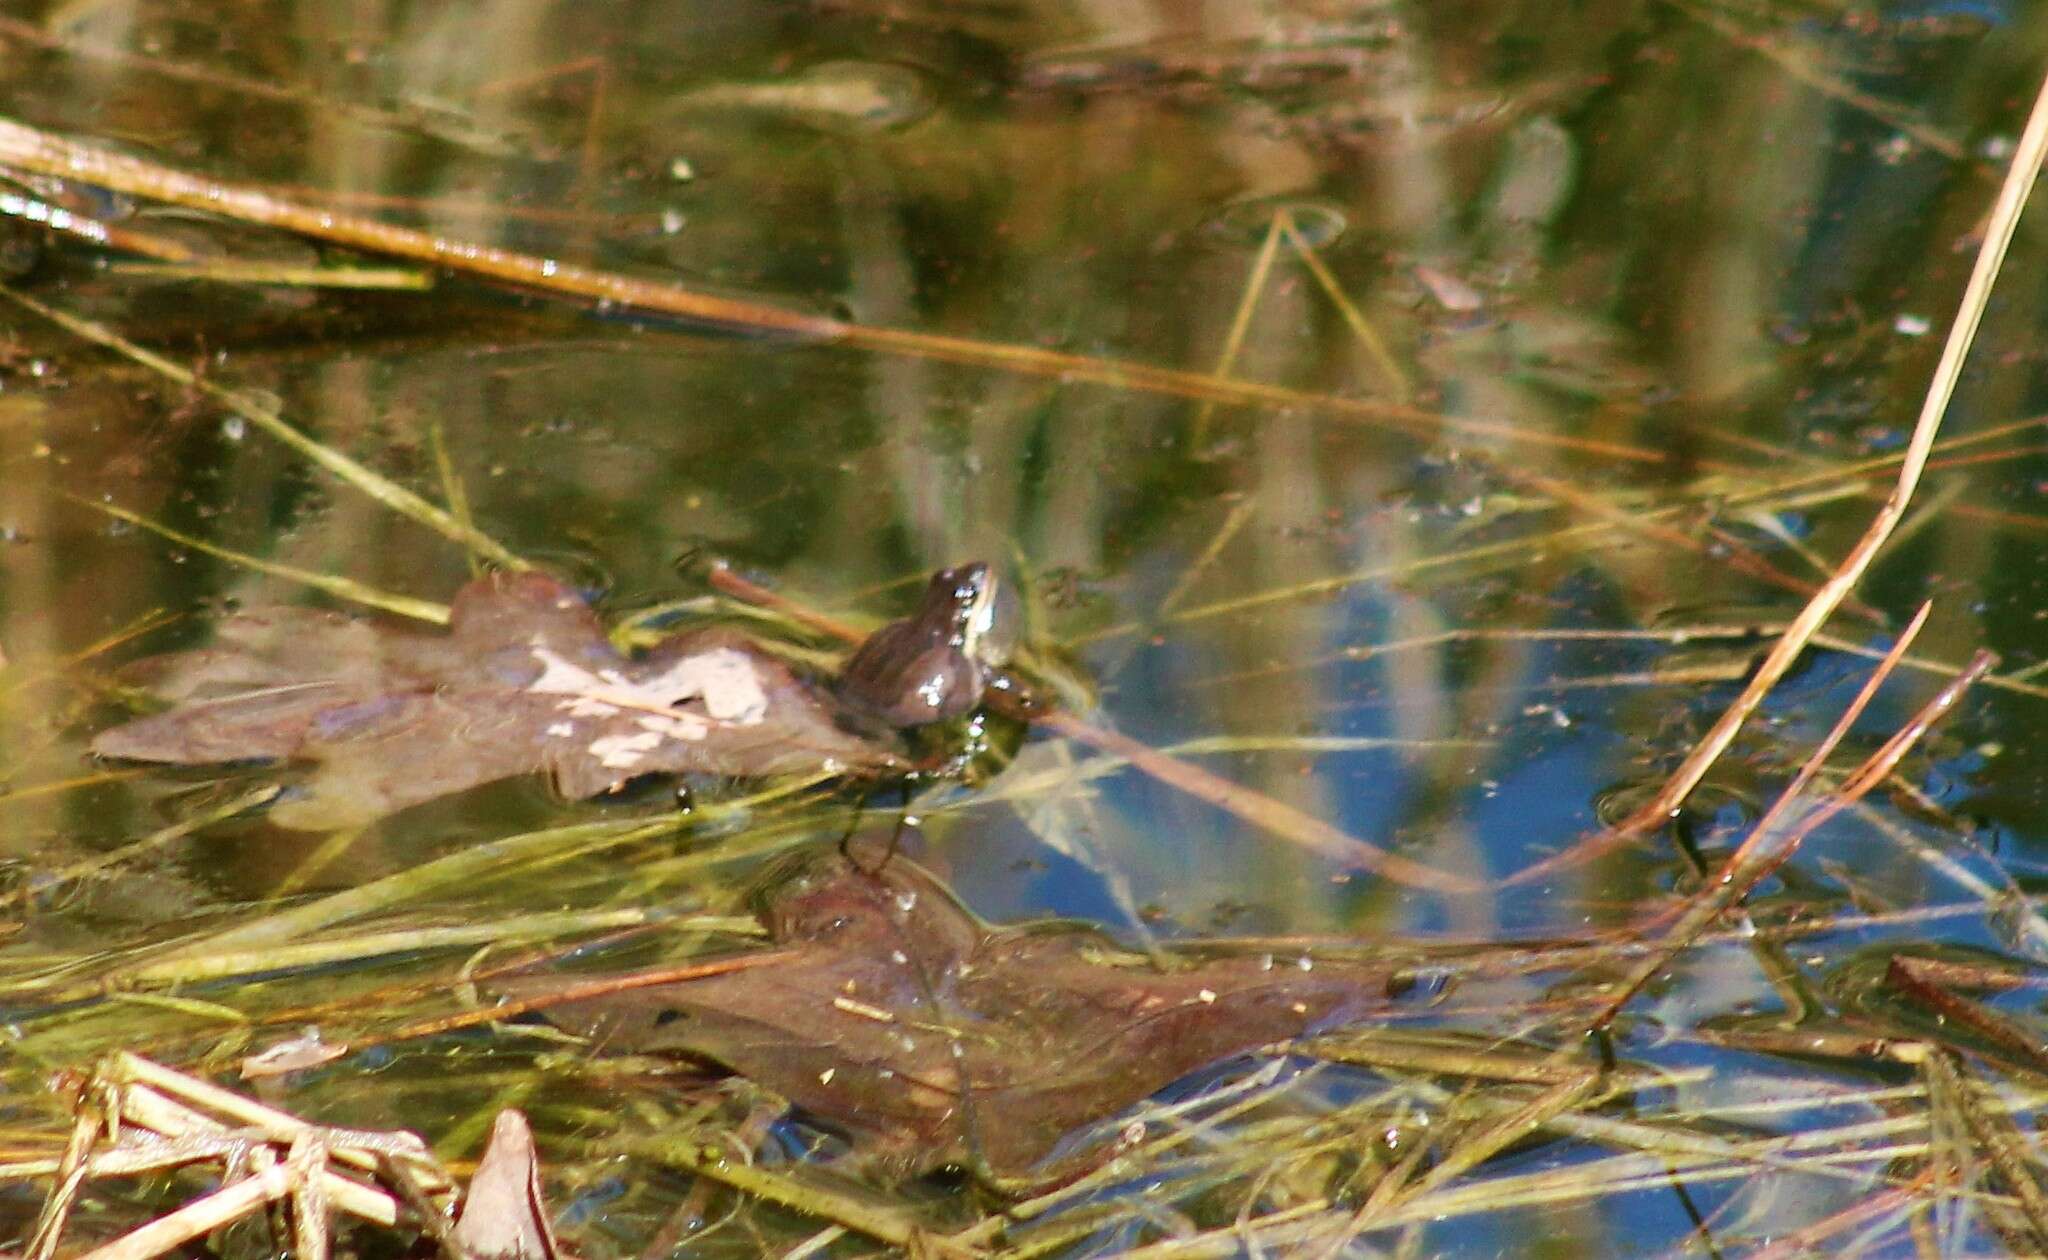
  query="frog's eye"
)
[{"x": 971, "y": 583}]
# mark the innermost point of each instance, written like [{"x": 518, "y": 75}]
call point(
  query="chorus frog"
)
[{"x": 935, "y": 665}]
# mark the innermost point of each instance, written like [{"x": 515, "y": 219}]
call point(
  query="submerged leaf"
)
[
  {"x": 930, "y": 1039},
  {"x": 307, "y": 1050},
  {"x": 524, "y": 681}
]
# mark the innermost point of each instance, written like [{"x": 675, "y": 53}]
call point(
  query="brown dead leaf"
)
[
  {"x": 930, "y": 1039},
  {"x": 524, "y": 681},
  {"x": 503, "y": 1214}
]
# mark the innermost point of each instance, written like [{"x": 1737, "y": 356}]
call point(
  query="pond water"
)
[{"x": 1414, "y": 418}]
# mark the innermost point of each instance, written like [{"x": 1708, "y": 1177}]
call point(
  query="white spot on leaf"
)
[{"x": 723, "y": 680}]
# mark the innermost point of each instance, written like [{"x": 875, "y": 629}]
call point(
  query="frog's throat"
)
[{"x": 981, "y": 614}]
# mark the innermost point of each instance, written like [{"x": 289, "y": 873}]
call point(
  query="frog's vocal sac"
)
[{"x": 933, "y": 667}]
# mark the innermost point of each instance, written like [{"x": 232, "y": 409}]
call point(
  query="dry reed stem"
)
[
  {"x": 1822, "y": 481},
  {"x": 1768, "y": 827},
  {"x": 158, "y": 1110},
  {"x": 2012, "y": 199},
  {"x": 1240, "y": 515},
  {"x": 67, "y": 222},
  {"x": 1995, "y": 1135},
  {"x": 1736, "y": 879},
  {"x": 1354, "y": 319},
  {"x": 1240, "y": 324},
  {"x": 1877, "y": 767},
  {"x": 184, "y": 1093},
  {"x": 28, "y": 148},
  {"x": 230, "y": 1203},
  {"x": 1267, "y": 813},
  {"x": 1739, "y": 556},
  {"x": 1751, "y": 850},
  {"x": 1467, "y": 1152},
  {"x": 281, "y": 275},
  {"x": 1924, "y": 983}
]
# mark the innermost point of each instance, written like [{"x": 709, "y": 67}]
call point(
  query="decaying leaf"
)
[
  {"x": 503, "y": 1214},
  {"x": 524, "y": 681},
  {"x": 929, "y": 1039}
]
